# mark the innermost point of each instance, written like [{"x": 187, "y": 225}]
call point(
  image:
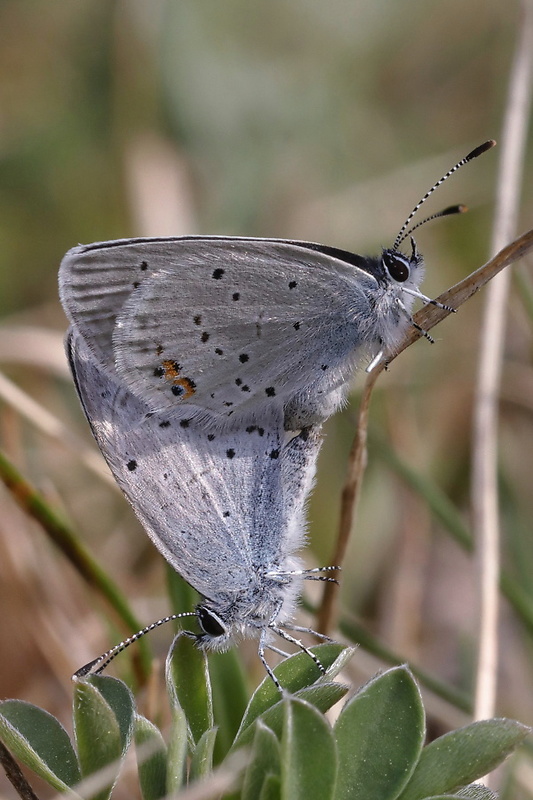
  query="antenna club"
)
[
  {"x": 482, "y": 148},
  {"x": 457, "y": 209}
]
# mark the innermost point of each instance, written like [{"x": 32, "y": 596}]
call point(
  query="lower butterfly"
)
[
  {"x": 225, "y": 509},
  {"x": 232, "y": 331}
]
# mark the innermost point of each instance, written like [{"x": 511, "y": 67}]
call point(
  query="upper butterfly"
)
[{"x": 230, "y": 329}]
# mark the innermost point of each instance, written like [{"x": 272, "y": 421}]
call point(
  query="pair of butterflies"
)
[{"x": 205, "y": 366}]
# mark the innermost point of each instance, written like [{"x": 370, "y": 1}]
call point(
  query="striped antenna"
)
[
  {"x": 403, "y": 232},
  {"x": 97, "y": 666}
]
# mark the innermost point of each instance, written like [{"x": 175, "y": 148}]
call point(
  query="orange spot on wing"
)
[{"x": 188, "y": 385}]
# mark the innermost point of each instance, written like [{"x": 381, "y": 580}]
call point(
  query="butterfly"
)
[
  {"x": 232, "y": 331},
  {"x": 226, "y": 509}
]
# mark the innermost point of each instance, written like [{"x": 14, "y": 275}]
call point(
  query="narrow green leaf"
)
[
  {"x": 39, "y": 740},
  {"x": 323, "y": 697},
  {"x": 294, "y": 673},
  {"x": 202, "y": 757},
  {"x": 271, "y": 789},
  {"x": 463, "y": 756},
  {"x": 151, "y": 759},
  {"x": 68, "y": 541},
  {"x": 98, "y": 736},
  {"x": 189, "y": 685},
  {"x": 183, "y": 597},
  {"x": 230, "y": 698},
  {"x": 177, "y": 750},
  {"x": 379, "y": 735},
  {"x": 265, "y": 762},
  {"x": 308, "y": 753}
]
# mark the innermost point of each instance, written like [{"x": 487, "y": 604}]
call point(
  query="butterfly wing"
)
[
  {"x": 224, "y": 326},
  {"x": 212, "y": 503}
]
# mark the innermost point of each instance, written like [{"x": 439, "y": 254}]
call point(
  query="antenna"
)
[
  {"x": 97, "y": 666},
  {"x": 403, "y": 232}
]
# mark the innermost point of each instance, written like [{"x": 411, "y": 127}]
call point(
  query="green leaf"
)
[
  {"x": 230, "y": 698},
  {"x": 271, "y": 788},
  {"x": 39, "y": 741},
  {"x": 294, "y": 673},
  {"x": 463, "y": 756},
  {"x": 323, "y": 697},
  {"x": 308, "y": 753},
  {"x": 265, "y": 762},
  {"x": 151, "y": 759},
  {"x": 189, "y": 685},
  {"x": 379, "y": 735},
  {"x": 177, "y": 750},
  {"x": 202, "y": 757},
  {"x": 120, "y": 700},
  {"x": 102, "y": 729}
]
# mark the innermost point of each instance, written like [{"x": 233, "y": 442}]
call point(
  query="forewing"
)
[
  {"x": 211, "y": 502},
  {"x": 236, "y": 324}
]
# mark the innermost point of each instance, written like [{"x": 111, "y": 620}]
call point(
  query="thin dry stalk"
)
[
  {"x": 484, "y": 486},
  {"x": 427, "y": 318},
  {"x": 349, "y": 498}
]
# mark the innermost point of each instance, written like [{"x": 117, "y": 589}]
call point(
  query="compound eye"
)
[
  {"x": 210, "y": 623},
  {"x": 396, "y": 265}
]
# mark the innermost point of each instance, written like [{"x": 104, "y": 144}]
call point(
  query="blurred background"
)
[{"x": 281, "y": 118}]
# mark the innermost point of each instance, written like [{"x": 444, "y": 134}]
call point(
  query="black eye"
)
[
  {"x": 397, "y": 265},
  {"x": 209, "y": 622}
]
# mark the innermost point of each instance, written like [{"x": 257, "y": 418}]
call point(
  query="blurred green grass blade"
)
[
  {"x": 379, "y": 735},
  {"x": 202, "y": 757},
  {"x": 322, "y": 696},
  {"x": 64, "y": 537},
  {"x": 100, "y": 730},
  {"x": 151, "y": 759},
  {"x": 462, "y": 756},
  {"x": 230, "y": 697},
  {"x": 357, "y": 633},
  {"x": 294, "y": 673},
  {"x": 437, "y": 501},
  {"x": 265, "y": 762},
  {"x": 182, "y": 596},
  {"x": 308, "y": 753},
  {"x": 40, "y": 742},
  {"x": 177, "y": 750},
  {"x": 189, "y": 685},
  {"x": 450, "y": 518},
  {"x": 525, "y": 288}
]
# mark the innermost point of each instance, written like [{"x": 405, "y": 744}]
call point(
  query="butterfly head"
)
[{"x": 400, "y": 268}]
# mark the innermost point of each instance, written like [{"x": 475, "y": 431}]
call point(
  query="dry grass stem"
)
[
  {"x": 484, "y": 485},
  {"x": 427, "y": 318}
]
